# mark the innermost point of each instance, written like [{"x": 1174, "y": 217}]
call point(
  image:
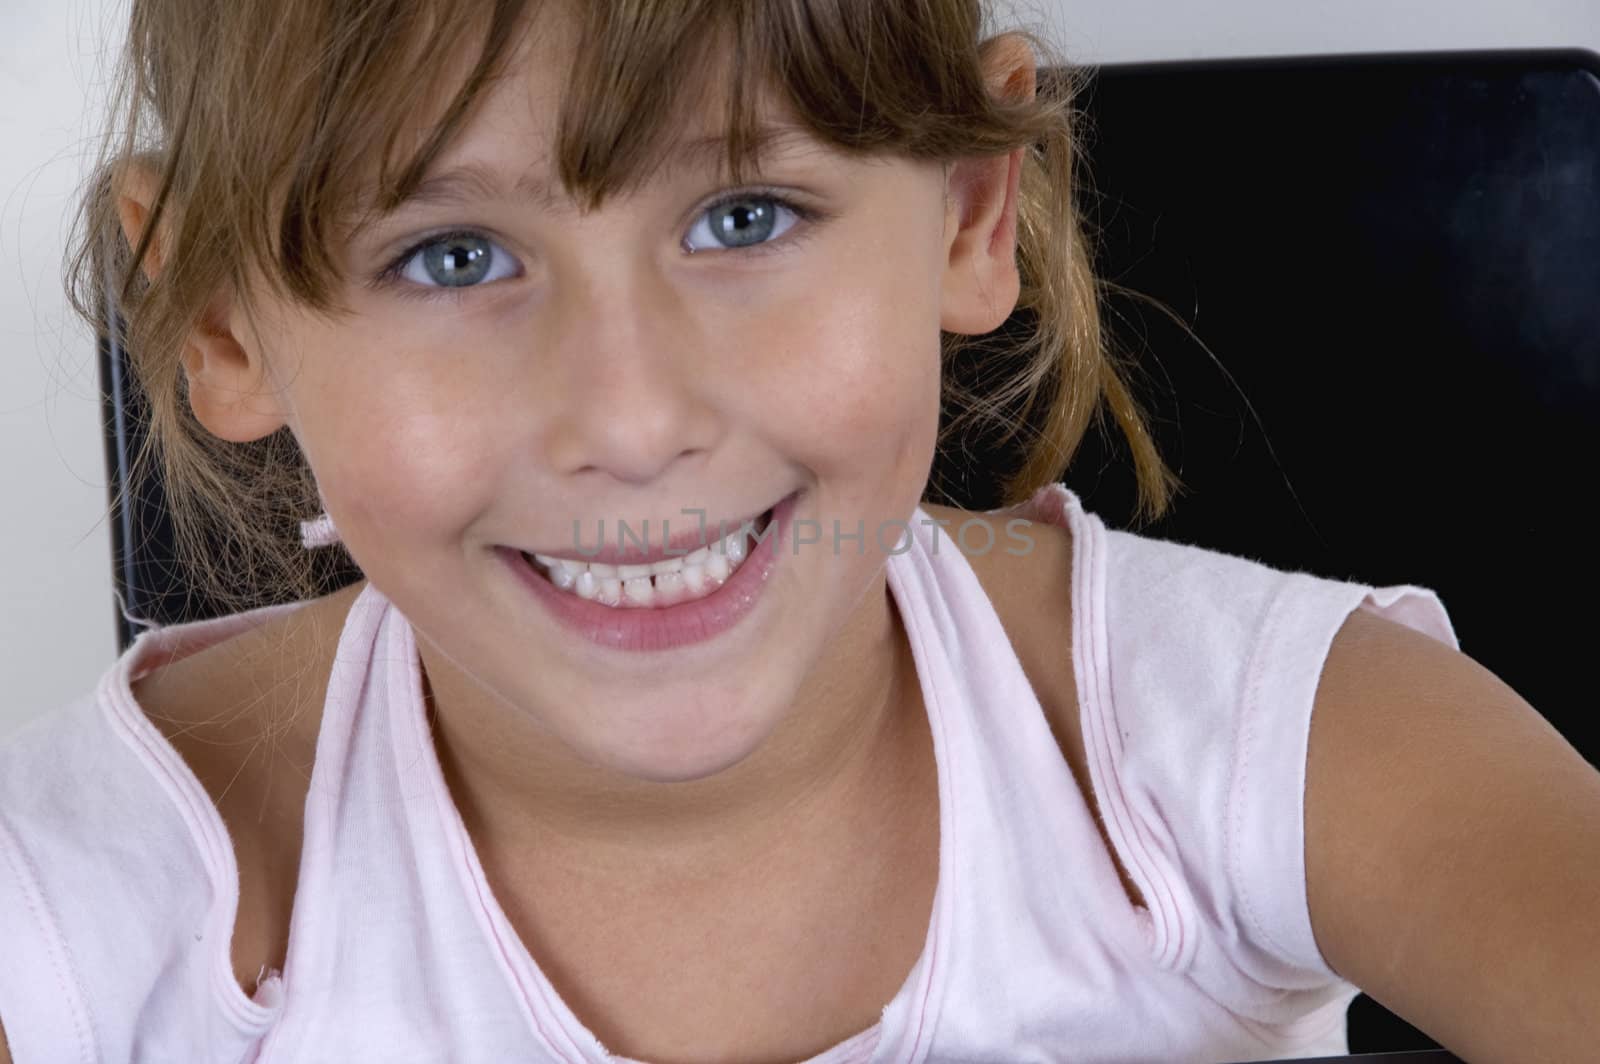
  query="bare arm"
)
[
  {"x": 1452, "y": 843},
  {"x": 5, "y": 1050}
]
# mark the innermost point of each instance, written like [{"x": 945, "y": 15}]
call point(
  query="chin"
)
[{"x": 695, "y": 750}]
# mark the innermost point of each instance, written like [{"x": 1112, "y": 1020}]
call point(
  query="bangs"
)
[
  {"x": 858, "y": 75},
  {"x": 637, "y": 76}
]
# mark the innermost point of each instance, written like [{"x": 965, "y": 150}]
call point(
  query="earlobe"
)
[
  {"x": 228, "y": 381},
  {"x": 226, "y": 388}
]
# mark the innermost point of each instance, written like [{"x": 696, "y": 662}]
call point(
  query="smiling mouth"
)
[{"x": 672, "y": 581}]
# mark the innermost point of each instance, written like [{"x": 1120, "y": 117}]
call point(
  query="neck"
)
[{"x": 841, "y": 751}]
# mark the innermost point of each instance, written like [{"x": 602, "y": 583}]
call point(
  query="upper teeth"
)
[{"x": 677, "y": 578}]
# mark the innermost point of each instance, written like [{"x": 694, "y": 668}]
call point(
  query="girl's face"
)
[{"x": 594, "y": 368}]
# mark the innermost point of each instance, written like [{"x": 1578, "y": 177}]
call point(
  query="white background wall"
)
[{"x": 56, "y": 616}]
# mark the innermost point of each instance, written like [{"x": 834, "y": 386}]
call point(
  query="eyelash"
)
[{"x": 390, "y": 275}]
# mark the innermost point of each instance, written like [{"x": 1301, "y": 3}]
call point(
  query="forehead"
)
[{"x": 616, "y": 94}]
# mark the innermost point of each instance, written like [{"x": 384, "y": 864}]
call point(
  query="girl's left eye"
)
[
  {"x": 743, "y": 220},
  {"x": 448, "y": 263}
]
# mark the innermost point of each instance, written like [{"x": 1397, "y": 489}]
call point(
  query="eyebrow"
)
[{"x": 472, "y": 181}]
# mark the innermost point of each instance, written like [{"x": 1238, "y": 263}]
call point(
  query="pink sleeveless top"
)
[{"x": 1196, "y": 673}]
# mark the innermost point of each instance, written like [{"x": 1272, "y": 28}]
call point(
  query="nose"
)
[{"x": 632, "y": 377}]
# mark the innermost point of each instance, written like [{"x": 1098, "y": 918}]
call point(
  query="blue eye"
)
[
  {"x": 448, "y": 264},
  {"x": 452, "y": 260},
  {"x": 743, "y": 220}
]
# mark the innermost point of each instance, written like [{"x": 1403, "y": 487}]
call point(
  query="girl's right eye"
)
[{"x": 449, "y": 261}]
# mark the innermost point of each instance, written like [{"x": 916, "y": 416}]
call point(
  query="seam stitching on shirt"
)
[
  {"x": 1245, "y": 731},
  {"x": 202, "y": 822},
  {"x": 48, "y": 927},
  {"x": 945, "y": 888},
  {"x": 1172, "y": 932}
]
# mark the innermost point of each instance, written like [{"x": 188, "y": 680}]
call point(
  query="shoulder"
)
[
  {"x": 1450, "y": 845},
  {"x": 217, "y": 705},
  {"x": 205, "y": 700},
  {"x": 1025, "y": 565}
]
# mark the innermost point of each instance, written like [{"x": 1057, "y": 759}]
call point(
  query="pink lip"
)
[{"x": 655, "y": 629}]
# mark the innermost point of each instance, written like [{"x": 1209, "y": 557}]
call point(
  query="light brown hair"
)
[{"x": 270, "y": 122}]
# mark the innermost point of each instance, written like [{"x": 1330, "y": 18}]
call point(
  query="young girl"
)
[{"x": 668, "y": 722}]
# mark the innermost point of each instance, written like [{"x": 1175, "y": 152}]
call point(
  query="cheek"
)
[
  {"x": 857, "y": 369},
  {"x": 391, "y": 451}
]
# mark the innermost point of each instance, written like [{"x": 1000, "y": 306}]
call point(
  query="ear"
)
[
  {"x": 229, "y": 386},
  {"x": 981, "y": 283}
]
